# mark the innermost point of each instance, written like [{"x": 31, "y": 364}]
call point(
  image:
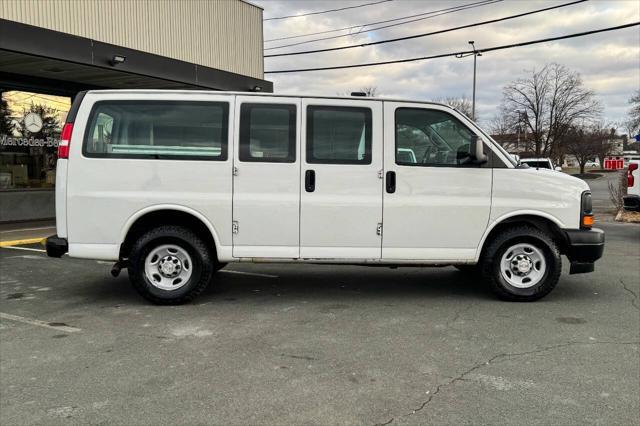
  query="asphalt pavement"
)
[{"x": 294, "y": 344}]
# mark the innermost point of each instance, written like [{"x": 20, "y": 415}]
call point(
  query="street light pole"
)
[
  {"x": 475, "y": 54},
  {"x": 475, "y": 58}
]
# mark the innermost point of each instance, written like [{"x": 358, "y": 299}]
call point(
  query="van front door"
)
[
  {"x": 437, "y": 200},
  {"x": 341, "y": 185},
  {"x": 266, "y": 182}
]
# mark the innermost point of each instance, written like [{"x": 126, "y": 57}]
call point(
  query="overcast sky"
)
[{"x": 609, "y": 63}]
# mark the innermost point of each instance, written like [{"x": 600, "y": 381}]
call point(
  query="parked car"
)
[
  {"x": 632, "y": 199},
  {"x": 173, "y": 185},
  {"x": 540, "y": 163},
  {"x": 592, "y": 164}
]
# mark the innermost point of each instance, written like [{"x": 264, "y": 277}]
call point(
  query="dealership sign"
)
[
  {"x": 33, "y": 122},
  {"x": 6, "y": 140}
]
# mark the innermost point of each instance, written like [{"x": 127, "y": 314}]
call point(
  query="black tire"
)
[
  {"x": 203, "y": 264},
  {"x": 490, "y": 264},
  {"x": 217, "y": 266}
]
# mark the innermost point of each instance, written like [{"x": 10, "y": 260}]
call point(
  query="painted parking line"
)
[
  {"x": 21, "y": 242},
  {"x": 41, "y": 228},
  {"x": 248, "y": 273},
  {"x": 52, "y": 325},
  {"x": 24, "y": 248}
]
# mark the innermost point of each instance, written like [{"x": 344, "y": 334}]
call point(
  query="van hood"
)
[{"x": 551, "y": 178}]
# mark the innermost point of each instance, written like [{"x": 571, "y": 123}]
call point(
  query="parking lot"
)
[{"x": 297, "y": 344}]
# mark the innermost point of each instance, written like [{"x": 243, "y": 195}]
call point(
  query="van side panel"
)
[
  {"x": 103, "y": 194},
  {"x": 531, "y": 191}
]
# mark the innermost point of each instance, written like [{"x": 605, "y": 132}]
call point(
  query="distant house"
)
[{"x": 517, "y": 143}]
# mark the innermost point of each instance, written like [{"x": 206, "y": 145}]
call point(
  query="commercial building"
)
[{"x": 52, "y": 49}]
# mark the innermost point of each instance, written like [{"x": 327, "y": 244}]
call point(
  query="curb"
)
[{"x": 22, "y": 242}]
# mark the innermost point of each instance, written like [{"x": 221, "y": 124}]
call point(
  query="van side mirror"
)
[
  {"x": 477, "y": 147},
  {"x": 558, "y": 169}
]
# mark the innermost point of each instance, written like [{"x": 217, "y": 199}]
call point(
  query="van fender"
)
[
  {"x": 510, "y": 215},
  {"x": 137, "y": 215}
]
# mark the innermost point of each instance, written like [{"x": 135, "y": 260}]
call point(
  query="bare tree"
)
[
  {"x": 369, "y": 91},
  {"x": 500, "y": 125},
  {"x": 551, "y": 100},
  {"x": 633, "y": 123},
  {"x": 462, "y": 104},
  {"x": 585, "y": 142},
  {"x": 7, "y": 124}
]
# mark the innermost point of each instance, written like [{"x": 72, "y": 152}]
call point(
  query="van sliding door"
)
[
  {"x": 341, "y": 185},
  {"x": 266, "y": 181}
]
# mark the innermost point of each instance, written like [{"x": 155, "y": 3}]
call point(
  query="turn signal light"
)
[
  {"x": 65, "y": 140},
  {"x": 587, "y": 221}
]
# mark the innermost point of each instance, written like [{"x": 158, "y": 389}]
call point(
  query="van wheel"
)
[
  {"x": 522, "y": 264},
  {"x": 170, "y": 265}
]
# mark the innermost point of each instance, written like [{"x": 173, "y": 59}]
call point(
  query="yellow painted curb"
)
[{"x": 21, "y": 242}]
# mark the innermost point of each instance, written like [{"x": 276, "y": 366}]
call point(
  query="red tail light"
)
[
  {"x": 65, "y": 140},
  {"x": 632, "y": 167}
]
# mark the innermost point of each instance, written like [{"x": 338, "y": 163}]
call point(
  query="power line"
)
[
  {"x": 369, "y": 24},
  {"x": 457, "y": 9},
  {"x": 326, "y": 11},
  {"x": 443, "y": 55},
  {"x": 391, "y": 40}
]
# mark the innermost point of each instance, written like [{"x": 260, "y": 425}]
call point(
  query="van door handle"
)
[
  {"x": 310, "y": 180},
  {"x": 391, "y": 182}
]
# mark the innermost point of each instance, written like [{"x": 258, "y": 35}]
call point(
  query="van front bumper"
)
[
  {"x": 56, "y": 247},
  {"x": 584, "y": 247}
]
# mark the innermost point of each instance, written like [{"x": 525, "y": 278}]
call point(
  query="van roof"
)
[{"x": 281, "y": 95}]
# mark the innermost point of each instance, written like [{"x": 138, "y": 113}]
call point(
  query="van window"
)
[
  {"x": 537, "y": 164},
  {"x": 158, "y": 130},
  {"x": 268, "y": 133},
  {"x": 338, "y": 135},
  {"x": 426, "y": 137}
]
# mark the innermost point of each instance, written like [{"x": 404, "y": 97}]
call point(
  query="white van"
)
[{"x": 175, "y": 184}]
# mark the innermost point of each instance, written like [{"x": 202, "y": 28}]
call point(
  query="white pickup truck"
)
[
  {"x": 632, "y": 199},
  {"x": 172, "y": 185}
]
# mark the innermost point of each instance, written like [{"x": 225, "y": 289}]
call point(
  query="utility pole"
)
[{"x": 475, "y": 54}]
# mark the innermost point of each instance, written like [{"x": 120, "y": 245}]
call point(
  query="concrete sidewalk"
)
[{"x": 13, "y": 234}]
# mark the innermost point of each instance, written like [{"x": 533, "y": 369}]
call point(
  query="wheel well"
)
[
  {"x": 166, "y": 217},
  {"x": 539, "y": 222}
]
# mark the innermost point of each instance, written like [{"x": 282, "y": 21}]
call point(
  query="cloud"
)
[{"x": 609, "y": 63}]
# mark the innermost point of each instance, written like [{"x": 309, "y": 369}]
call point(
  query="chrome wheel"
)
[
  {"x": 523, "y": 265},
  {"x": 168, "y": 267}
]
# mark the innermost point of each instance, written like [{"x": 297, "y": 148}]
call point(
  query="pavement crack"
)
[
  {"x": 634, "y": 298},
  {"x": 493, "y": 359},
  {"x": 307, "y": 358},
  {"x": 458, "y": 314}
]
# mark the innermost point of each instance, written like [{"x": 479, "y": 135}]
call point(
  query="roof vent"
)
[{"x": 358, "y": 94}]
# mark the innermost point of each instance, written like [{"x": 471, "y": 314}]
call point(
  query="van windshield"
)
[{"x": 537, "y": 164}]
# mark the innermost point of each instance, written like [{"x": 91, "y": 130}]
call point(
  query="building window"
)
[
  {"x": 30, "y": 125},
  {"x": 158, "y": 130}
]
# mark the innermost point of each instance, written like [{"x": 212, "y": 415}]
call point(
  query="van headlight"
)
[{"x": 586, "y": 210}]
